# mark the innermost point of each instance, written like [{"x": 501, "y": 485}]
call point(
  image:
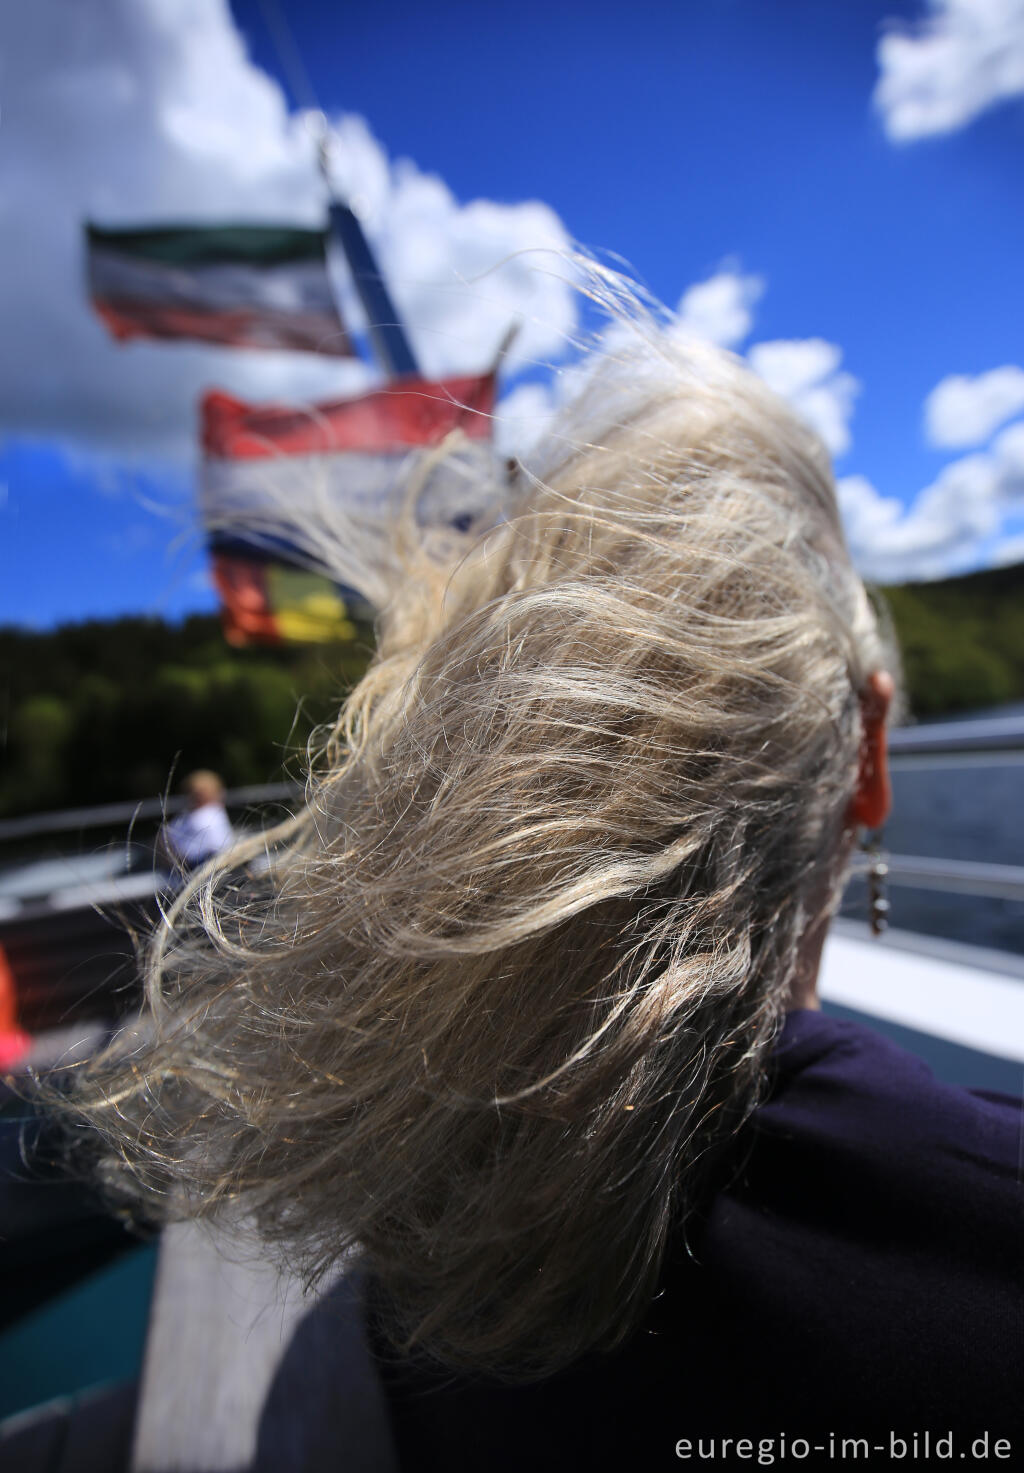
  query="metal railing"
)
[
  {"x": 992, "y": 735},
  {"x": 124, "y": 815},
  {"x": 995, "y": 739},
  {"x": 956, "y": 876}
]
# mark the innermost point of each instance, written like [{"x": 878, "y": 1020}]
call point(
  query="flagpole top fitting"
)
[{"x": 319, "y": 130}]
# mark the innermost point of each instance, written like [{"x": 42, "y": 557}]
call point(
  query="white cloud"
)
[
  {"x": 721, "y": 309},
  {"x": 1009, "y": 551},
  {"x": 967, "y": 517},
  {"x": 940, "y": 533},
  {"x": 963, "y": 411},
  {"x": 950, "y": 527},
  {"x": 523, "y": 416},
  {"x": 806, "y": 372},
  {"x": 1008, "y": 450},
  {"x": 938, "y": 74},
  {"x": 131, "y": 111},
  {"x": 867, "y": 516}
]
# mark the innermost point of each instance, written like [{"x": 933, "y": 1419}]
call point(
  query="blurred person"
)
[
  {"x": 524, "y": 1011},
  {"x": 204, "y": 829}
]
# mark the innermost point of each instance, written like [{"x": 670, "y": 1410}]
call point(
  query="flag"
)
[
  {"x": 246, "y": 286},
  {"x": 325, "y": 486},
  {"x": 267, "y": 602}
]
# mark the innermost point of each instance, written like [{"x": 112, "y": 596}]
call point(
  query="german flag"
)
[{"x": 325, "y": 486}]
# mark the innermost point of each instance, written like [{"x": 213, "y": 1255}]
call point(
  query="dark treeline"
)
[
  {"x": 962, "y": 640},
  {"x": 107, "y": 710},
  {"x": 103, "y": 711}
]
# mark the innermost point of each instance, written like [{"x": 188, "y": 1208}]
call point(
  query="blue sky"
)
[{"x": 729, "y": 142}]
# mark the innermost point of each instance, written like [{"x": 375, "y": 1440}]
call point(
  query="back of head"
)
[
  {"x": 510, "y": 983},
  {"x": 202, "y": 787}
]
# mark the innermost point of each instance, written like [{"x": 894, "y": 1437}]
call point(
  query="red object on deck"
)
[{"x": 14, "y": 1043}]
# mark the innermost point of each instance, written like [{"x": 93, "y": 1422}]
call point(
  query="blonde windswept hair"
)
[{"x": 510, "y": 980}]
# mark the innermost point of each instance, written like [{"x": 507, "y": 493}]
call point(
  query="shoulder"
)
[
  {"x": 840, "y": 1085},
  {"x": 867, "y": 1230},
  {"x": 871, "y": 1222},
  {"x": 858, "y": 1140}
]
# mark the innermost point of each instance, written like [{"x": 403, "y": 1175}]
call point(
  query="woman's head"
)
[
  {"x": 509, "y": 984},
  {"x": 666, "y": 642},
  {"x": 203, "y": 787}
]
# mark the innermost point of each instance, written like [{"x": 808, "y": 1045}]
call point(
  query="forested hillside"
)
[
  {"x": 104, "y": 711},
  {"x": 98, "y": 712},
  {"x": 962, "y": 640}
]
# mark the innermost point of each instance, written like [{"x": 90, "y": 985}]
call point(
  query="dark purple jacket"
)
[{"x": 858, "y": 1277}]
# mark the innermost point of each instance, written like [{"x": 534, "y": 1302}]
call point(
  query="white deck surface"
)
[{"x": 946, "y": 997}]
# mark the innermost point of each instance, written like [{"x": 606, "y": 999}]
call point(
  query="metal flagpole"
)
[{"x": 387, "y": 334}]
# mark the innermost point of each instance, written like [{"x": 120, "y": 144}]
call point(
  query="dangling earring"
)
[{"x": 878, "y": 870}]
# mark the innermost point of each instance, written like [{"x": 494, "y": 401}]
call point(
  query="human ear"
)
[{"x": 872, "y": 798}]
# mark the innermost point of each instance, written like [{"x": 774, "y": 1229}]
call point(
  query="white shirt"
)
[{"x": 199, "y": 833}]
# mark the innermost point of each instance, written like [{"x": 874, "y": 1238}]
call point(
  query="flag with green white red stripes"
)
[{"x": 245, "y": 286}]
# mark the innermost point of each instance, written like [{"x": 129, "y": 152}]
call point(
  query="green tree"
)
[{"x": 39, "y": 734}]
